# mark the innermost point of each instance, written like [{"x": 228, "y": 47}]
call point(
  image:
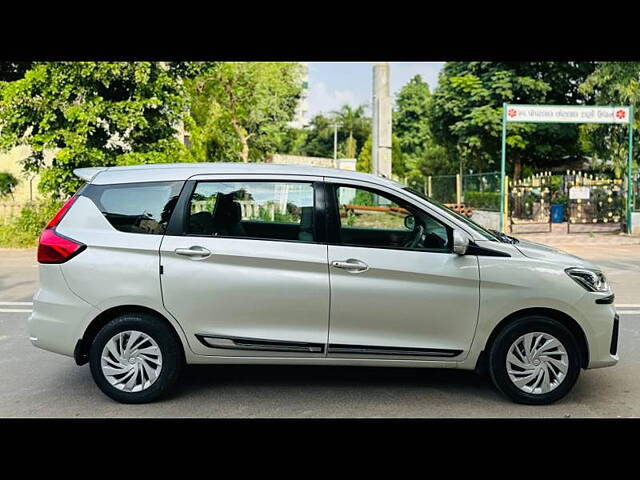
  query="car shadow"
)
[{"x": 204, "y": 377}]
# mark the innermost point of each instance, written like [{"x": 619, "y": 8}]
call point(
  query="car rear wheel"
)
[
  {"x": 535, "y": 360},
  {"x": 135, "y": 358}
]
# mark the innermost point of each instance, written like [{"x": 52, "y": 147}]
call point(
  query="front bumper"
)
[{"x": 602, "y": 336}]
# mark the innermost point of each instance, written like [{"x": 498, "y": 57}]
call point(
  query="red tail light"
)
[
  {"x": 61, "y": 213},
  {"x": 53, "y": 247}
]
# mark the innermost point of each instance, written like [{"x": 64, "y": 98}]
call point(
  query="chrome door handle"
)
[
  {"x": 351, "y": 265},
  {"x": 195, "y": 252}
]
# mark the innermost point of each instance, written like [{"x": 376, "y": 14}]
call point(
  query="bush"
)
[
  {"x": 24, "y": 229},
  {"x": 8, "y": 183},
  {"x": 482, "y": 200}
]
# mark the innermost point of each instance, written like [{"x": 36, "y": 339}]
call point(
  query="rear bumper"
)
[{"x": 59, "y": 317}]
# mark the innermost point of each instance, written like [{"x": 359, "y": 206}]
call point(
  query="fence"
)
[
  {"x": 8, "y": 210},
  {"x": 479, "y": 191}
]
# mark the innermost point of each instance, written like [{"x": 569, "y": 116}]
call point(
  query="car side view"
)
[{"x": 147, "y": 268}]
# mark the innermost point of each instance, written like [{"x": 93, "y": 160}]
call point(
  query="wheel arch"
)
[
  {"x": 81, "y": 351},
  {"x": 566, "y": 320}
]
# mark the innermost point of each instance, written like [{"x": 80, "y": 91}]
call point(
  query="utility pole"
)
[
  {"x": 335, "y": 144},
  {"x": 381, "y": 122}
]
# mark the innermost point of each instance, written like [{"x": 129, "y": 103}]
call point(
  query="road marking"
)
[
  {"x": 629, "y": 305},
  {"x": 14, "y": 310},
  {"x": 628, "y": 312},
  {"x": 28, "y": 304}
]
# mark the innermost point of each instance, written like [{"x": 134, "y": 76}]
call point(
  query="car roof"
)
[{"x": 183, "y": 171}]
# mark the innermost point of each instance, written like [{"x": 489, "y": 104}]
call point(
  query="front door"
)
[
  {"x": 246, "y": 276},
  {"x": 397, "y": 289}
]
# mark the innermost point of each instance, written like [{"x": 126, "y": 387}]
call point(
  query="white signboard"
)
[
  {"x": 582, "y": 193},
  {"x": 566, "y": 114}
]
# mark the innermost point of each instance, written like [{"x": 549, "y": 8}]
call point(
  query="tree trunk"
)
[
  {"x": 517, "y": 167},
  {"x": 244, "y": 141}
]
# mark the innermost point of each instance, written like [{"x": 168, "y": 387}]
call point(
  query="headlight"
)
[{"x": 592, "y": 280}]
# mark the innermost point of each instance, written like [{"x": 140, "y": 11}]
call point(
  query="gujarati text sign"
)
[{"x": 566, "y": 114}]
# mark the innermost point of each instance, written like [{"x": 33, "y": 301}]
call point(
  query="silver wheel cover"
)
[
  {"x": 131, "y": 361},
  {"x": 537, "y": 363}
]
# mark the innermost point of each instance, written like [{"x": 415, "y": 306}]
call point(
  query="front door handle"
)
[
  {"x": 195, "y": 252},
  {"x": 351, "y": 265}
]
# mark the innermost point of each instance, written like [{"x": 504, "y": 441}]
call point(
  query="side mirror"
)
[
  {"x": 460, "y": 242},
  {"x": 410, "y": 222}
]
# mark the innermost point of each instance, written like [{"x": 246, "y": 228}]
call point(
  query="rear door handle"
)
[
  {"x": 195, "y": 252},
  {"x": 351, "y": 265}
]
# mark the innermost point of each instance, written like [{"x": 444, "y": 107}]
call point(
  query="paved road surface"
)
[{"x": 35, "y": 383}]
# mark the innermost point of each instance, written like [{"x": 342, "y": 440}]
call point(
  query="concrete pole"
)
[
  {"x": 381, "y": 121},
  {"x": 335, "y": 145}
]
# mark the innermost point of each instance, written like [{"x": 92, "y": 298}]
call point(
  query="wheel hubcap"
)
[
  {"x": 131, "y": 361},
  {"x": 537, "y": 363}
]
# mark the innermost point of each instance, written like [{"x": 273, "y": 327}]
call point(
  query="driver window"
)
[{"x": 371, "y": 218}]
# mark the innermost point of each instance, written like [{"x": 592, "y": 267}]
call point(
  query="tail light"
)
[{"x": 56, "y": 248}]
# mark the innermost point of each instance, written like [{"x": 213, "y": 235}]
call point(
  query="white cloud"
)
[{"x": 323, "y": 99}]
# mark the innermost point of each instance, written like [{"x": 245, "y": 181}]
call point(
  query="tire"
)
[
  {"x": 154, "y": 374},
  {"x": 542, "y": 329}
]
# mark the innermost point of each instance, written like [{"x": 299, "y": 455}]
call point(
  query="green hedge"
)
[{"x": 482, "y": 200}]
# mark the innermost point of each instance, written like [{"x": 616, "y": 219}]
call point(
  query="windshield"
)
[{"x": 477, "y": 228}]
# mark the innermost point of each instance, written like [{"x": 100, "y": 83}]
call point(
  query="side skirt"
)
[
  {"x": 257, "y": 344},
  {"x": 411, "y": 351}
]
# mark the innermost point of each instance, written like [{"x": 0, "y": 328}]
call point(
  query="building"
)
[{"x": 300, "y": 119}]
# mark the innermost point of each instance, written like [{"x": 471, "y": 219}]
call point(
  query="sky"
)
[{"x": 332, "y": 84}]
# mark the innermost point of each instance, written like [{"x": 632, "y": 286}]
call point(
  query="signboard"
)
[
  {"x": 581, "y": 193},
  {"x": 566, "y": 114}
]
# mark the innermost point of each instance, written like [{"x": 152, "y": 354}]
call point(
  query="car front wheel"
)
[{"x": 535, "y": 360}]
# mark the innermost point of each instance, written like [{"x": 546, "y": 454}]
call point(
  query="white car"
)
[{"x": 150, "y": 267}]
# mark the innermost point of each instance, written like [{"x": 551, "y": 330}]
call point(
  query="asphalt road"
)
[{"x": 36, "y": 383}]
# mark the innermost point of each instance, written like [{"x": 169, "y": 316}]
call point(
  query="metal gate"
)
[
  {"x": 595, "y": 204},
  {"x": 530, "y": 205}
]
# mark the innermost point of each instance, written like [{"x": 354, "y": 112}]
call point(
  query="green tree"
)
[
  {"x": 363, "y": 161},
  {"x": 466, "y": 112},
  {"x": 352, "y": 121},
  {"x": 8, "y": 183},
  {"x": 612, "y": 83},
  {"x": 411, "y": 117},
  {"x": 412, "y": 126},
  {"x": 92, "y": 114},
  {"x": 239, "y": 110},
  {"x": 319, "y": 138}
]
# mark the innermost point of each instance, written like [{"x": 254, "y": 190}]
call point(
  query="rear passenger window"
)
[
  {"x": 137, "y": 207},
  {"x": 265, "y": 210}
]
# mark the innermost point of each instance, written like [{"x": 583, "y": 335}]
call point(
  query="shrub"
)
[
  {"x": 24, "y": 229},
  {"x": 8, "y": 183},
  {"x": 482, "y": 200}
]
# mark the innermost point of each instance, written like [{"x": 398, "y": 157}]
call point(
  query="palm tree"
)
[{"x": 350, "y": 119}]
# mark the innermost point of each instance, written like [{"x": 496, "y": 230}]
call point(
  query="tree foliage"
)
[
  {"x": 92, "y": 114},
  {"x": 239, "y": 110},
  {"x": 8, "y": 182},
  {"x": 612, "y": 83},
  {"x": 351, "y": 120},
  {"x": 412, "y": 126},
  {"x": 466, "y": 111}
]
